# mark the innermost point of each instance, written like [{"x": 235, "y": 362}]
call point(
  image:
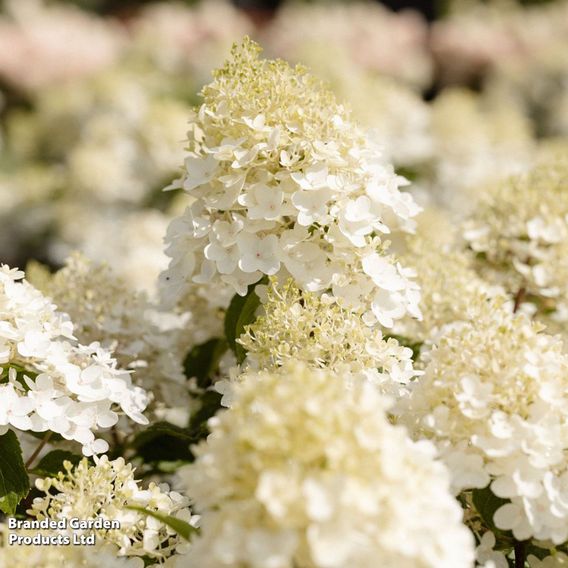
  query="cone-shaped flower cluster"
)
[
  {"x": 494, "y": 398},
  {"x": 284, "y": 182}
]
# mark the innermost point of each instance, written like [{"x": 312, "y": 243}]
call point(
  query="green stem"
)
[{"x": 40, "y": 447}]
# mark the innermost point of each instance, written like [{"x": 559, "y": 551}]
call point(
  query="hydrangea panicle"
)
[
  {"x": 105, "y": 309},
  {"x": 107, "y": 490},
  {"x": 519, "y": 232},
  {"x": 51, "y": 382},
  {"x": 301, "y": 471},
  {"x": 284, "y": 183},
  {"x": 303, "y": 326},
  {"x": 494, "y": 399}
]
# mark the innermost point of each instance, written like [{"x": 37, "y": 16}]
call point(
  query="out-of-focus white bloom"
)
[
  {"x": 42, "y": 45},
  {"x": 26, "y": 187},
  {"x": 187, "y": 41},
  {"x": 106, "y": 490},
  {"x": 301, "y": 471},
  {"x": 369, "y": 36},
  {"x": 104, "y": 309},
  {"x": 494, "y": 400},
  {"x": 305, "y": 327},
  {"x": 49, "y": 382},
  {"x": 475, "y": 140},
  {"x": 129, "y": 165},
  {"x": 519, "y": 231},
  {"x": 447, "y": 279},
  {"x": 130, "y": 242},
  {"x": 114, "y": 137},
  {"x": 285, "y": 183}
]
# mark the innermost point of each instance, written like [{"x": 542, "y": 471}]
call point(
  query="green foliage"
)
[
  {"x": 164, "y": 442},
  {"x": 52, "y": 463},
  {"x": 185, "y": 530},
  {"x": 486, "y": 503},
  {"x": 167, "y": 446},
  {"x": 210, "y": 404},
  {"x": 20, "y": 372},
  {"x": 14, "y": 480},
  {"x": 241, "y": 312},
  {"x": 202, "y": 361}
]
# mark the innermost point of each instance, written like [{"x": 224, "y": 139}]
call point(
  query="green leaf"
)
[
  {"x": 20, "y": 372},
  {"x": 164, "y": 442},
  {"x": 486, "y": 503},
  {"x": 52, "y": 463},
  {"x": 540, "y": 553},
  {"x": 210, "y": 405},
  {"x": 159, "y": 429},
  {"x": 14, "y": 480},
  {"x": 203, "y": 361},
  {"x": 241, "y": 312},
  {"x": 185, "y": 530}
]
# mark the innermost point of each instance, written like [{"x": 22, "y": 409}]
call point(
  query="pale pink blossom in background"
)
[
  {"x": 42, "y": 45},
  {"x": 470, "y": 44},
  {"x": 373, "y": 37},
  {"x": 177, "y": 38},
  {"x": 485, "y": 39}
]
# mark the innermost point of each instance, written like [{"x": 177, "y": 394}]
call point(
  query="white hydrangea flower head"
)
[
  {"x": 106, "y": 490},
  {"x": 447, "y": 279},
  {"x": 55, "y": 556},
  {"x": 475, "y": 139},
  {"x": 303, "y": 472},
  {"x": 48, "y": 380},
  {"x": 284, "y": 183},
  {"x": 520, "y": 234},
  {"x": 494, "y": 399},
  {"x": 302, "y": 326},
  {"x": 103, "y": 308}
]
